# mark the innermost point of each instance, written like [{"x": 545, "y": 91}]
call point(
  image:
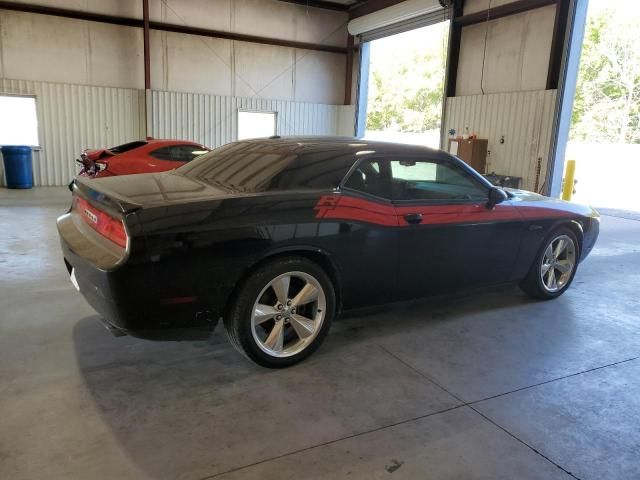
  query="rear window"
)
[
  {"x": 125, "y": 147},
  {"x": 259, "y": 167},
  {"x": 178, "y": 153}
]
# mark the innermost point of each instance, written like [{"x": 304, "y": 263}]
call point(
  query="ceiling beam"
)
[
  {"x": 241, "y": 37},
  {"x": 165, "y": 27},
  {"x": 364, "y": 8},
  {"x": 557, "y": 44},
  {"x": 319, "y": 4},
  {"x": 453, "y": 52},
  {"x": 501, "y": 11}
]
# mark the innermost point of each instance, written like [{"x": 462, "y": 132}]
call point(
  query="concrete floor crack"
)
[{"x": 470, "y": 405}]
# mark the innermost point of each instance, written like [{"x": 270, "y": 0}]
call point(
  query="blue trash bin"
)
[{"x": 18, "y": 166}]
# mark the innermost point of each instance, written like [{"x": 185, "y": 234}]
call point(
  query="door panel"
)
[
  {"x": 450, "y": 239},
  {"x": 366, "y": 235},
  {"x": 456, "y": 247}
]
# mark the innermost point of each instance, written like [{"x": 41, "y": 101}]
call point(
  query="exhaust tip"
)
[{"x": 115, "y": 331}]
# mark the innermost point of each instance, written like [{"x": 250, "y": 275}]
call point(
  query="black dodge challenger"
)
[{"x": 277, "y": 236}]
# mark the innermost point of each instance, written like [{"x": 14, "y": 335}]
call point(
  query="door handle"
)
[{"x": 413, "y": 218}]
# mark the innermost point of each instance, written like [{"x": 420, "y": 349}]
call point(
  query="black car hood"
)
[
  {"x": 525, "y": 195},
  {"x": 531, "y": 200}
]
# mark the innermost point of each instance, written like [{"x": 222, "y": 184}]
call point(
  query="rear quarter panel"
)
[{"x": 206, "y": 248}]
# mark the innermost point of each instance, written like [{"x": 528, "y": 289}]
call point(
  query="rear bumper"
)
[{"x": 127, "y": 297}]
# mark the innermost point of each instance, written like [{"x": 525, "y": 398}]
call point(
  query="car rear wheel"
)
[
  {"x": 554, "y": 267},
  {"x": 282, "y": 312}
]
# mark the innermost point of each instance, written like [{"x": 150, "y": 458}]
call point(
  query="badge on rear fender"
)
[{"x": 91, "y": 216}]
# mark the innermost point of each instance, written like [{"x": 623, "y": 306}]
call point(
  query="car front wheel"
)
[
  {"x": 282, "y": 312},
  {"x": 554, "y": 267}
]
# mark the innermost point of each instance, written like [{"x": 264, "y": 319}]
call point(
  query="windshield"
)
[{"x": 258, "y": 167}]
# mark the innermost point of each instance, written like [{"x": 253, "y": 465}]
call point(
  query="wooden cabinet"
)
[{"x": 471, "y": 151}]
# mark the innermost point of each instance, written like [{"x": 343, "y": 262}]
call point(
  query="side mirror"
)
[{"x": 496, "y": 196}]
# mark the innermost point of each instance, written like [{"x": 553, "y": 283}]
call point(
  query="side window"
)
[
  {"x": 370, "y": 177},
  {"x": 164, "y": 153},
  {"x": 186, "y": 153},
  {"x": 429, "y": 180},
  {"x": 177, "y": 153}
]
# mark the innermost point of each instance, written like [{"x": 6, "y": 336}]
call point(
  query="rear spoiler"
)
[
  {"x": 98, "y": 154},
  {"x": 91, "y": 190}
]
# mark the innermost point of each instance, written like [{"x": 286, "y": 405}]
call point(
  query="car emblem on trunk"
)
[{"x": 91, "y": 216}]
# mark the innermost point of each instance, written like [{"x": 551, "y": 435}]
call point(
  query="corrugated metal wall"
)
[
  {"x": 525, "y": 119},
  {"x": 212, "y": 119},
  {"x": 74, "y": 117}
]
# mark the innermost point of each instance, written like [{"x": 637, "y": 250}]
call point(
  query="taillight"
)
[{"x": 101, "y": 222}]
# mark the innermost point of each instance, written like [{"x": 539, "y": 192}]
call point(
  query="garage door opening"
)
[
  {"x": 406, "y": 86},
  {"x": 605, "y": 134}
]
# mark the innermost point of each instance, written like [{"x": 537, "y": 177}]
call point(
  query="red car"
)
[{"x": 143, "y": 156}]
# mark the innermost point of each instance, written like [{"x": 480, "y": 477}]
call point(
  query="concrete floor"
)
[{"x": 492, "y": 385}]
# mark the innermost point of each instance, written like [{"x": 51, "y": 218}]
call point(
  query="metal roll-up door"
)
[{"x": 399, "y": 18}]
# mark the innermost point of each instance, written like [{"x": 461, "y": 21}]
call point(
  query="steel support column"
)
[
  {"x": 147, "y": 66},
  {"x": 572, "y": 47},
  {"x": 363, "y": 90},
  {"x": 453, "y": 52},
  {"x": 348, "y": 77}
]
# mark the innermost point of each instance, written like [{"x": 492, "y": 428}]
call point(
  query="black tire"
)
[
  {"x": 239, "y": 320},
  {"x": 533, "y": 284}
]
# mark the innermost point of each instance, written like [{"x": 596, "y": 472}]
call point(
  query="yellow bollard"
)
[{"x": 569, "y": 180}]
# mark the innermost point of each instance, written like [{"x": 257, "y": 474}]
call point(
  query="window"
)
[
  {"x": 18, "y": 121},
  {"x": 256, "y": 124},
  {"x": 260, "y": 167},
  {"x": 370, "y": 177},
  {"x": 125, "y": 147},
  {"x": 428, "y": 180},
  {"x": 178, "y": 153}
]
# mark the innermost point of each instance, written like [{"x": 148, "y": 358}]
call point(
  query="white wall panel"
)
[
  {"x": 525, "y": 119},
  {"x": 472, "y": 6},
  {"x": 55, "y": 49},
  {"x": 74, "y": 117},
  {"x": 516, "y": 57},
  {"x": 212, "y": 119}
]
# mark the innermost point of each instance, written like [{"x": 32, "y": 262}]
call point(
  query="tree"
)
[
  {"x": 406, "y": 87},
  {"x": 607, "y": 101}
]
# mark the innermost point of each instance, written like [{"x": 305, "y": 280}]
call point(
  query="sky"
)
[{"x": 631, "y": 7}]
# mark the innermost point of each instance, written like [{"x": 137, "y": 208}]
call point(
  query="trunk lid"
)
[{"x": 128, "y": 193}]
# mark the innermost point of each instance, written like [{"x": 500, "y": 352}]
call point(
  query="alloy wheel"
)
[
  {"x": 558, "y": 263},
  {"x": 288, "y": 314}
]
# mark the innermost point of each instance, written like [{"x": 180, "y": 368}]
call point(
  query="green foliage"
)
[
  {"x": 406, "y": 88},
  {"x": 607, "y": 101}
]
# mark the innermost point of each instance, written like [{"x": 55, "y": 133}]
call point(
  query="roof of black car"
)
[{"x": 309, "y": 144}]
